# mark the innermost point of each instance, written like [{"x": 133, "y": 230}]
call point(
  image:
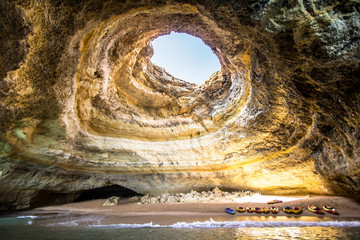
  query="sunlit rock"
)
[
  {"x": 110, "y": 202},
  {"x": 215, "y": 196}
]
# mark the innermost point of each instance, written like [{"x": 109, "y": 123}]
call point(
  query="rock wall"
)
[{"x": 83, "y": 107}]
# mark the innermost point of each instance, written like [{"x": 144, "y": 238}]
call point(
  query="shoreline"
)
[{"x": 171, "y": 213}]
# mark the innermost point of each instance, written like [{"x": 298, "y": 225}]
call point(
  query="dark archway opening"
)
[
  {"x": 48, "y": 197},
  {"x": 106, "y": 192}
]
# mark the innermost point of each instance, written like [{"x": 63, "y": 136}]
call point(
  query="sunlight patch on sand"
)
[{"x": 258, "y": 198}]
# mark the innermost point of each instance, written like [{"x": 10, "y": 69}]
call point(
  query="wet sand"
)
[{"x": 166, "y": 213}]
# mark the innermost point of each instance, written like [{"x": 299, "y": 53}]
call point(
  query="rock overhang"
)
[{"x": 122, "y": 120}]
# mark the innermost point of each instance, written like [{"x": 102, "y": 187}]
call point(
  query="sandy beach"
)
[{"x": 166, "y": 213}]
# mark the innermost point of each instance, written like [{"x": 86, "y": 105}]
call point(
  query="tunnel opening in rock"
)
[
  {"x": 185, "y": 57},
  {"x": 106, "y": 192}
]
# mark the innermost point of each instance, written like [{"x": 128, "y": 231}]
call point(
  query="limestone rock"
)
[
  {"x": 113, "y": 201},
  {"x": 155, "y": 200},
  {"x": 143, "y": 199},
  {"x": 216, "y": 195},
  {"x": 134, "y": 199},
  {"x": 82, "y": 106}
]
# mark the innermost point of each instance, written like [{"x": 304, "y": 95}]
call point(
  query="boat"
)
[
  {"x": 287, "y": 209},
  {"x": 274, "y": 210},
  {"x": 314, "y": 209},
  {"x": 250, "y": 209},
  {"x": 274, "y": 201},
  {"x": 229, "y": 211},
  {"x": 241, "y": 209},
  {"x": 330, "y": 209},
  {"x": 297, "y": 210},
  {"x": 265, "y": 210},
  {"x": 257, "y": 210}
]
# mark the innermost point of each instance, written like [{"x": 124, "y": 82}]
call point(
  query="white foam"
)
[
  {"x": 145, "y": 225},
  {"x": 65, "y": 224},
  {"x": 238, "y": 224},
  {"x": 32, "y": 217},
  {"x": 72, "y": 222}
]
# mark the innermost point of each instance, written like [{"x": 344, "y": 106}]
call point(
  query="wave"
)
[
  {"x": 238, "y": 224},
  {"x": 74, "y": 221},
  {"x": 32, "y": 217}
]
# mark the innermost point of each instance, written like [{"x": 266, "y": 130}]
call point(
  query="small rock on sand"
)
[{"x": 113, "y": 201}]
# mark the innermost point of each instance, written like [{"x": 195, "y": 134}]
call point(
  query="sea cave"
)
[{"x": 82, "y": 106}]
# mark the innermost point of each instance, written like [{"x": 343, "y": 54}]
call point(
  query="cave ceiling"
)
[{"x": 82, "y": 106}]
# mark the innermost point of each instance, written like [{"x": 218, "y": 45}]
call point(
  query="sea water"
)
[{"x": 90, "y": 227}]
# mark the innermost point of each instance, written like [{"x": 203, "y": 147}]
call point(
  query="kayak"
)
[
  {"x": 330, "y": 209},
  {"x": 287, "y": 209},
  {"x": 250, "y": 209},
  {"x": 265, "y": 210},
  {"x": 229, "y": 211},
  {"x": 297, "y": 210},
  {"x": 314, "y": 209},
  {"x": 274, "y": 210},
  {"x": 241, "y": 209},
  {"x": 274, "y": 201},
  {"x": 257, "y": 210}
]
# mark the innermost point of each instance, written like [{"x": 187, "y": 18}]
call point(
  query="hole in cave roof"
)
[{"x": 185, "y": 57}]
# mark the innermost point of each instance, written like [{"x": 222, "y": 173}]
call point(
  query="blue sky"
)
[{"x": 185, "y": 57}]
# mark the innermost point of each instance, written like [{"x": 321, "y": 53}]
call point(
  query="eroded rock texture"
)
[{"x": 82, "y": 106}]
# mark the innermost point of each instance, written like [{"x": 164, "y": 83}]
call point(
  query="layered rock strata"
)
[{"x": 83, "y": 107}]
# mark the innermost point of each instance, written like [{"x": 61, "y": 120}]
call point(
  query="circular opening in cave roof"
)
[{"x": 185, "y": 57}]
